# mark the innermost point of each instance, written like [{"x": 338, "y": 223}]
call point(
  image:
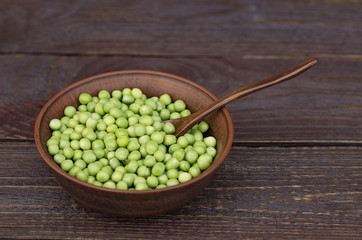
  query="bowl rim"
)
[{"x": 58, "y": 170}]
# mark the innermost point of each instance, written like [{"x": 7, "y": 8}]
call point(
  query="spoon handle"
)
[{"x": 241, "y": 92}]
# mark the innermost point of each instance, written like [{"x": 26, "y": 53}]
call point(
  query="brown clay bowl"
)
[{"x": 128, "y": 202}]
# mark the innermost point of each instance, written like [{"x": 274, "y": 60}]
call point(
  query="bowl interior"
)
[{"x": 152, "y": 84}]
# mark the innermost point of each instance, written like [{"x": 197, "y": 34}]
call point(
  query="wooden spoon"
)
[{"x": 182, "y": 125}]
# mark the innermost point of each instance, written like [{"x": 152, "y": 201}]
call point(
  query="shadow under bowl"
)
[{"x": 131, "y": 203}]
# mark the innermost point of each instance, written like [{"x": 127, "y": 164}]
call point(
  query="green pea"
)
[
  {"x": 131, "y": 131},
  {"x": 150, "y": 130},
  {"x": 117, "y": 176},
  {"x": 75, "y": 136},
  {"x": 159, "y": 155},
  {"x": 100, "y": 153},
  {"x": 203, "y": 126},
  {"x": 108, "y": 169},
  {"x": 99, "y": 108},
  {"x": 157, "y": 137},
  {"x": 91, "y": 107},
  {"x": 128, "y": 99},
  {"x": 175, "y": 115},
  {"x": 109, "y": 184},
  {"x": 173, "y": 148},
  {"x": 179, "y": 154},
  {"x": 122, "y": 185},
  {"x": 144, "y": 139},
  {"x": 185, "y": 113},
  {"x": 91, "y": 123},
  {"x": 114, "y": 163},
  {"x": 140, "y": 130},
  {"x": 161, "y": 186},
  {"x": 85, "y": 144},
  {"x": 68, "y": 152},
  {"x": 172, "y": 173},
  {"x": 83, "y": 117},
  {"x": 80, "y": 163},
  {"x": 162, "y": 179},
  {"x": 129, "y": 179},
  {"x": 134, "y": 156},
  {"x": 211, "y": 151},
  {"x": 149, "y": 161},
  {"x": 146, "y": 120},
  {"x": 151, "y": 147},
  {"x": 172, "y": 182},
  {"x": 173, "y": 163},
  {"x": 204, "y": 161},
  {"x": 59, "y": 158},
  {"x": 132, "y": 166},
  {"x": 79, "y": 128},
  {"x": 117, "y": 94},
  {"x": 184, "y": 177},
  {"x": 152, "y": 181},
  {"x": 122, "y": 153},
  {"x": 91, "y": 179},
  {"x": 112, "y": 128},
  {"x": 141, "y": 186},
  {"x": 102, "y": 176},
  {"x": 82, "y": 108},
  {"x": 108, "y": 120},
  {"x": 133, "y": 145},
  {"x": 89, "y": 156},
  {"x": 169, "y": 140},
  {"x": 85, "y": 98},
  {"x": 191, "y": 156},
  {"x": 55, "y": 124},
  {"x": 165, "y": 98},
  {"x": 157, "y": 125},
  {"x": 72, "y": 123},
  {"x": 52, "y": 141},
  {"x": 121, "y": 132},
  {"x": 145, "y": 110},
  {"x": 104, "y": 94},
  {"x": 158, "y": 169},
  {"x": 165, "y": 114},
  {"x": 143, "y": 171},
  {"x": 200, "y": 150},
  {"x": 169, "y": 128},
  {"x": 194, "y": 171},
  {"x": 103, "y": 161},
  {"x": 78, "y": 154},
  {"x": 53, "y": 149},
  {"x": 180, "y": 105},
  {"x": 93, "y": 168},
  {"x": 184, "y": 166},
  {"x": 99, "y": 184},
  {"x": 66, "y": 165},
  {"x": 74, "y": 170},
  {"x": 182, "y": 141},
  {"x": 121, "y": 169},
  {"x": 111, "y": 144},
  {"x": 82, "y": 176}
]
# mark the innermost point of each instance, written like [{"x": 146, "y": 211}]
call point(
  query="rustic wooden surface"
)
[{"x": 295, "y": 168}]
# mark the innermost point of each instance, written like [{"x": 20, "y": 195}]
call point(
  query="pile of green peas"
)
[{"x": 118, "y": 140}]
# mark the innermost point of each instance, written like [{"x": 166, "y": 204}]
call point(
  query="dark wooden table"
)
[{"x": 294, "y": 170}]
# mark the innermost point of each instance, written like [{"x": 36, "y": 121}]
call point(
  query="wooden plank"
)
[
  {"x": 257, "y": 193},
  {"x": 207, "y": 28},
  {"x": 324, "y": 104}
]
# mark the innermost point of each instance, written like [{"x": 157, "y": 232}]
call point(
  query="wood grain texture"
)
[
  {"x": 258, "y": 193},
  {"x": 323, "y": 104},
  {"x": 294, "y": 171},
  {"x": 172, "y": 28}
]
